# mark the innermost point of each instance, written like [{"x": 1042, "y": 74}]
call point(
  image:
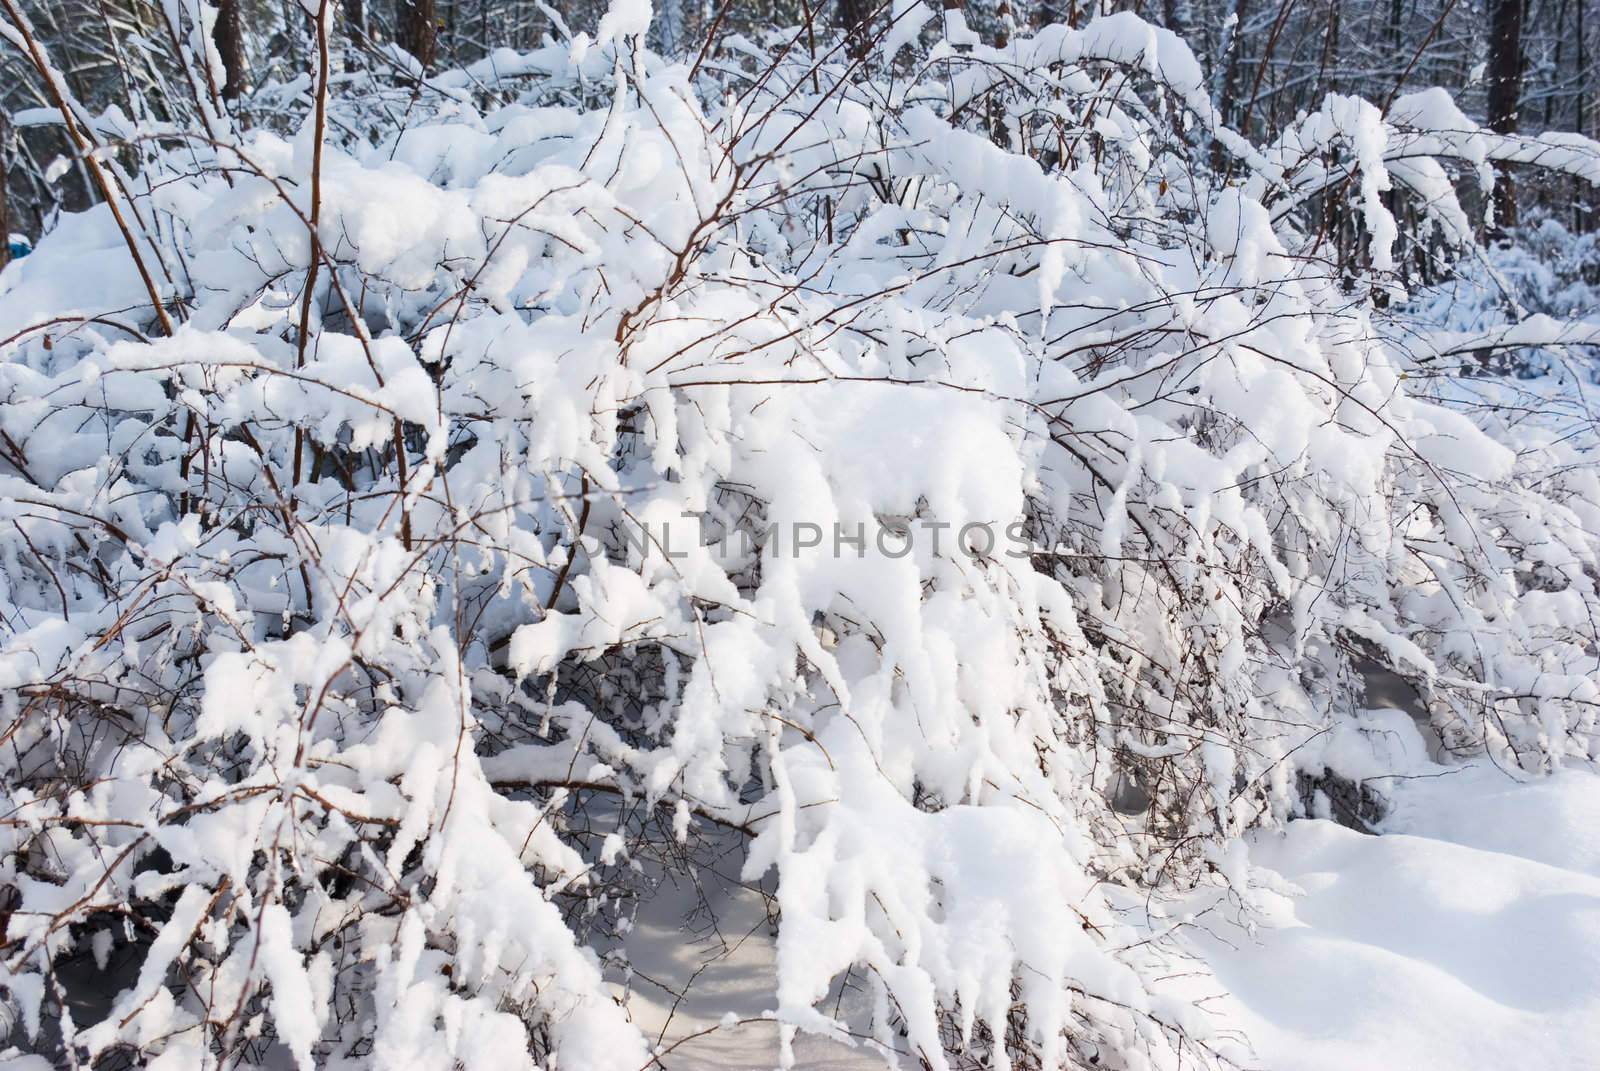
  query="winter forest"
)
[{"x": 567, "y": 535}]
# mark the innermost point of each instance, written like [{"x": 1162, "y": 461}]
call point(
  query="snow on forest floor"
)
[
  {"x": 1467, "y": 936},
  {"x": 714, "y": 947}
]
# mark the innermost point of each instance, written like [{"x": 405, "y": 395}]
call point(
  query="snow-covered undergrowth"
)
[
  {"x": 1527, "y": 306},
  {"x": 1465, "y": 938},
  {"x": 354, "y": 692}
]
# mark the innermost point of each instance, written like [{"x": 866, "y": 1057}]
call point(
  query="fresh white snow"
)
[{"x": 1465, "y": 937}]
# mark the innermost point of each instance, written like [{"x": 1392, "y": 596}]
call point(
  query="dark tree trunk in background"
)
[
  {"x": 855, "y": 18},
  {"x": 1233, "y": 47},
  {"x": 1583, "y": 76},
  {"x": 229, "y": 37},
  {"x": 1330, "y": 55},
  {"x": 1561, "y": 23},
  {"x": 1172, "y": 17},
  {"x": 355, "y": 19},
  {"x": 417, "y": 32},
  {"x": 5, "y": 203},
  {"x": 1228, "y": 87},
  {"x": 1583, "y": 216},
  {"x": 1505, "y": 92}
]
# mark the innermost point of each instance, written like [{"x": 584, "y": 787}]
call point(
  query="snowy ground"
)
[
  {"x": 1465, "y": 937},
  {"x": 704, "y": 962}
]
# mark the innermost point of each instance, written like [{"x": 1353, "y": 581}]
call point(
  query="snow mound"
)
[{"x": 1465, "y": 937}]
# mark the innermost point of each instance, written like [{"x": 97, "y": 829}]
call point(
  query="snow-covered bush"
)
[
  {"x": 346, "y": 471},
  {"x": 1527, "y": 305}
]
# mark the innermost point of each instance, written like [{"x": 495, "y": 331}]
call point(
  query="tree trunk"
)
[
  {"x": 1555, "y": 63},
  {"x": 1328, "y": 68},
  {"x": 5, "y": 202},
  {"x": 1584, "y": 216},
  {"x": 417, "y": 31},
  {"x": 355, "y": 19},
  {"x": 1172, "y": 17},
  {"x": 228, "y": 33},
  {"x": 1583, "y": 77},
  {"x": 1233, "y": 45},
  {"x": 1505, "y": 92},
  {"x": 855, "y": 17},
  {"x": 1227, "y": 86}
]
